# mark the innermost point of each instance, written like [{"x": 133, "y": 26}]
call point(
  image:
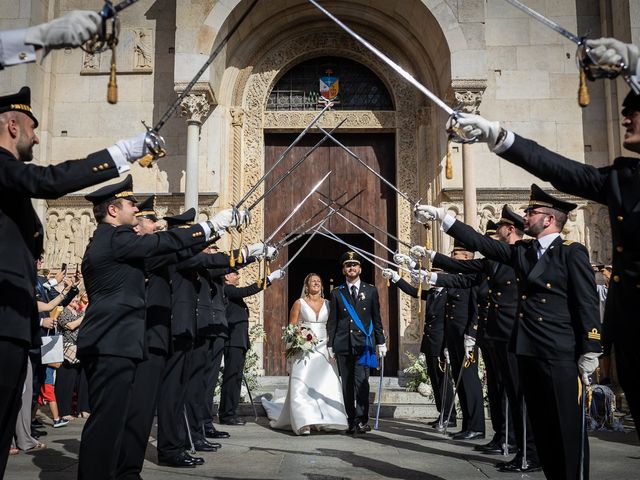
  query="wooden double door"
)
[{"x": 376, "y": 203}]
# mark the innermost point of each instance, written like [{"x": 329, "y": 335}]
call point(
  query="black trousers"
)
[
  {"x": 141, "y": 413},
  {"x": 437, "y": 379},
  {"x": 13, "y": 358},
  {"x": 355, "y": 388},
  {"x": 551, "y": 392},
  {"x": 70, "y": 377},
  {"x": 234, "y": 358},
  {"x": 172, "y": 429},
  {"x": 627, "y": 364},
  {"x": 195, "y": 400},
  {"x": 508, "y": 363},
  {"x": 470, "y": 389},
  {"x": 496, "y": 392},
  {"x": 212, "y": 371},
  {"x": 110, "y": 390}
]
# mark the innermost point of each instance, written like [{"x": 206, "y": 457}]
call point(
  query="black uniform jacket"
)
[
  {"x": 344, "y": 336},
  {"x": 502, "y": 293},
  {"x": 433, "y": 336},
  {"x": 158, "y": 280},
  {"x": 114, "y": 276},
  {"x": 21, "y": 232},
  {"x": 558, "y": 315},
  {"x": 195, "y": 303},
  {"x": 618, "y": 187},
  {"x": 238, "y": 313}
]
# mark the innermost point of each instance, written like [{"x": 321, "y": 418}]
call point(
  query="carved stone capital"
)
[
  {"x": 468, "y": 94},
  {"x": 197, "y": 105}
]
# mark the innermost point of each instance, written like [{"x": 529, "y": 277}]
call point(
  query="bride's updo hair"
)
[{"x": 305, "y": 290}]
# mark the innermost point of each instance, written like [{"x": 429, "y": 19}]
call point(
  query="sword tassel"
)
[
  {"x": 583, "y": 91},
  {"x": 448, "y": 166}
]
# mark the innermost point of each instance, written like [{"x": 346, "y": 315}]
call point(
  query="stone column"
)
[
  {"x": 468, "y": 94},
  {"x": 196, "y": 107}
]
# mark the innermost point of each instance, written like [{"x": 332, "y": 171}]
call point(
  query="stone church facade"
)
[{"x": 483, "y": 55}]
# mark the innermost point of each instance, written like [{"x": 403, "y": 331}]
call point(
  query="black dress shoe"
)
[
  {"x": 182, "y": 460},
  {"x": 492, "y": 444},
  {"x": 468, "y": 435},
  {"x": 516, "y": 465},
  {"x": 351, "y": 429},
  {"x": 211, "y": 432},
  {"x": 232, "y": 421},
  {"x": 363, "y": 428},
  {"x": 196, "y": 460},
  {"x": 203, "y": 446}
]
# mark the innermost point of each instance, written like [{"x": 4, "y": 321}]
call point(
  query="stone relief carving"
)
[
  {"x": 195, "y": 107},
  {"x": 134, "y": 53}
]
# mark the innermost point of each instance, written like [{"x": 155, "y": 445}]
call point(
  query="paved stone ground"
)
[{"x": 401, "y": 449}]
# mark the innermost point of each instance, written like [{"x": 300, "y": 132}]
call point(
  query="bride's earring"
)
[{"x": 306, "y": 291}]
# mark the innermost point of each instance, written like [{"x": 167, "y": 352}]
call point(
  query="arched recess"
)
[{"x": 265, "y": 49}]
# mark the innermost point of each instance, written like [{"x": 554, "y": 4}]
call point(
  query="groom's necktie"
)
[{"x": 354, "y": 293}]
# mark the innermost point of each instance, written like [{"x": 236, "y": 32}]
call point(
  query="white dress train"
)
[{"x": 314, "y": 396}]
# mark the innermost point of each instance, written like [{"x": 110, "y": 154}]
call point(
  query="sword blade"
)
[
  {"x": 401, "y": 71},
  {"x": 290, "y": 261},
  {"x": 545, "y": 21},
  {"x": 172, "y": 108},
  {"x": 375, "y": 425},
  {"x": 288, "y": 242},
  {"x": 288, "y": 172},
  {"x": 360, "y": 228},
  {"x": 124, "y": 4},
  {"x": 364, "y": 164},
  {"x": 362, "y": 219},
  {"x": 297, "y": 207}
]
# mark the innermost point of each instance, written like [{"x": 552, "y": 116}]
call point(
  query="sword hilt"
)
[
  {"x": 155, "y": 145},
  {"x": 457, "y": 134}
]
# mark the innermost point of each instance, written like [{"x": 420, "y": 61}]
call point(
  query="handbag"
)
[{"x": 52, "y": 350}]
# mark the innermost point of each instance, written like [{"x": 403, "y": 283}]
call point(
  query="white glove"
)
[
  {"x": 610, "y": 52},
  {"x": 418, "y": 251},
  {"x": 272, "y": 253},
  {"x": 223, "y": 220},
  {"x": 390, "y": 274},
  {"x": 469, "y": 344},
  {"x": 382, "y": 350},
  {"x": 587, "y": 364},
  {"x": 420, "y": 276},
  {"x": 402, "y": 259},
  {"x": 331, "y": 354},
  {"x": 275, "y": 275},
  {"x": 447, "y": 358},
  {"x": 70, "y": 30},
  {"x": 479, "y": 127},
  {"x": 131, "y": 148},
  {"x": 427, "y": 213}
]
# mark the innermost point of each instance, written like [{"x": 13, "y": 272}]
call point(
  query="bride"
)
[{"x": 314, "y": 397}]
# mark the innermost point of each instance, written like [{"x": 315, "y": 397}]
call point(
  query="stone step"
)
[
  {"x": 387, "y": 410},
  {"x": 396, "y": 401}
]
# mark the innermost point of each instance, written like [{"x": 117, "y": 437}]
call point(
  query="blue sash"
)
[{"x": 368, "y": 358}]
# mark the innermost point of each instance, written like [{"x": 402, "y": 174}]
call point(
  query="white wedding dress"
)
[{"x": 314, "y": 397}]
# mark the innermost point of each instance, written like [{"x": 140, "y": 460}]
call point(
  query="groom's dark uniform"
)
[{"x": 349, "y": 342}]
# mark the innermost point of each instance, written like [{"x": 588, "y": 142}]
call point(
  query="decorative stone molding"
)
[
  {"x": 69, "y": 224},
  {"x": 468, "y": 94},
  {"x": 252, "y": 90},
  {"x": 198, "y": 104}
]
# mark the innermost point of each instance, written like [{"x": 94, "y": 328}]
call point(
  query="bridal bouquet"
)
[{"x": 298, "y": 339}]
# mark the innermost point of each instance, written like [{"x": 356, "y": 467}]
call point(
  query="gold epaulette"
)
[{"x": 567, "y": 242}]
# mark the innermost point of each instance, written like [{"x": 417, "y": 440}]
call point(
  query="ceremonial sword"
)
[
  {"x": 454, "y": 133},
  {"x": 367, "y": 234},
  {"x": 362, "y": 219},
  {"x": 375, "y": 425},
  {"x": 153, "y": 141},
  {"x": 315, "y": 231},
  {"x": 587, "y": 64},
  {"x": 287, "y": 173},
  {"x": 443, "y": 392}
]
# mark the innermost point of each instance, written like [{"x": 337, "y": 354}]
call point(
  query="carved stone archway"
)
[{"x": 250, "y": 120}]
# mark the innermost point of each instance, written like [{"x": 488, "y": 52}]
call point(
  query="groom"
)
[{"x": 354, "y": 329}]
